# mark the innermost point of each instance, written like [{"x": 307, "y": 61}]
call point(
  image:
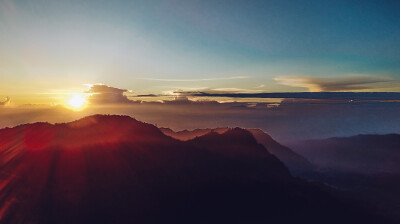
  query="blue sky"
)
[{"x": 151, "y": 46}]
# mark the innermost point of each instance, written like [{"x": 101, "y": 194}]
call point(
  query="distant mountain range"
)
[
  {"x": 115, "y": 169},
  {"x": 367, "y": 166},
  {"x": 364, "y": 154}
]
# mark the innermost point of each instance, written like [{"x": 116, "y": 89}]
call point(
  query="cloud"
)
[
  {"x": 349, "y": 83},
  {"x": 233, "y": 90},
  {"x": 103, "y": 94},
  {"x": 195, "y": 80},
  {"x": 214, "y": 91},
  {"x": 6, "y": 102},
  {"x": 288, "y": 95}
]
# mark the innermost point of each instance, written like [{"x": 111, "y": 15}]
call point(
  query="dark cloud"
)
[
  {"x": 294, "y": 95},
  {"x": 102, "y": 94},
  {"x": 182, "y": 100},
  {"x": 349, "y": 83},
  {"x": 180, "y": 97}
]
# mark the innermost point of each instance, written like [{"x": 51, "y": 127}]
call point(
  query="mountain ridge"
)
[
  {"x": 295, "y": 162},
  {"x": 132, "y": 172}
]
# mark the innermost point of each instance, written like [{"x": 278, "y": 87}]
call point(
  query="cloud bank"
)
[
  {"x": 290, "y": 95},
  {"x": 103, "y": 94}
]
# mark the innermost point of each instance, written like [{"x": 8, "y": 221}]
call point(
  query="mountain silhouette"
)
[
  {"x": 296, "y": 163},
  {"x": 115, "y": 169},
  {"x": 186, "y": 135}
]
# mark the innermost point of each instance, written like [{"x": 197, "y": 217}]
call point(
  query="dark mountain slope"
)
[
  {"x": 114, "y": 169},
  {"x": 296, "y": 163},
  {"x": 240, "y": 146}
]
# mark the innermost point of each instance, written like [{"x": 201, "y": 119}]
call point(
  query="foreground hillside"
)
[{"x": 114, "y": 169}]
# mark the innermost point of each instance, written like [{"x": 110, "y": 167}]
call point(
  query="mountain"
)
[
  {"x": 363, "y": 154},
  {"x": 186, "y": 135},
  {"x": 115, "y": 169},
  {"x": 296, "y": 163},
  {"x": 240, "y": 146}
]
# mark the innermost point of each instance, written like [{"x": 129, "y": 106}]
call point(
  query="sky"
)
[
  {"x": 295, "y": 69},
  {"x": 49, "y": 49}
]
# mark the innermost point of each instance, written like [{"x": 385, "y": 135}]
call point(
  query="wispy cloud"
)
[
  {"x": 349, "y": 83},
  {"x": 194, "y": 80},
  {"x": 190, "y": 92},
  {"x": 233, "y": 90}
]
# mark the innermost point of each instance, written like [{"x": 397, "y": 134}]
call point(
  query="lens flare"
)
[{"x": 77, "y": 101}]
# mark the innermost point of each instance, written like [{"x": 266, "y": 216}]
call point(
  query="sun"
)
[{"x": 77, "y": 101}]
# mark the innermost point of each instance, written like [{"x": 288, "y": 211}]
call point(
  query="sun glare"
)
[{"x": 77, "y": 101}]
